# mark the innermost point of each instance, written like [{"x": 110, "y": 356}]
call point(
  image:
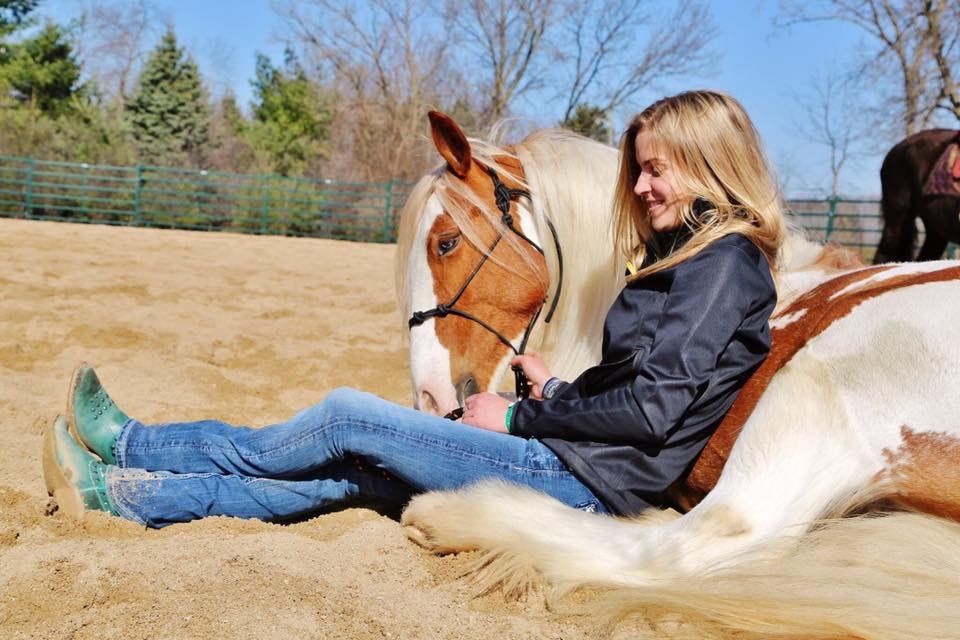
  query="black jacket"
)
[{"x": 677, "y": 347}]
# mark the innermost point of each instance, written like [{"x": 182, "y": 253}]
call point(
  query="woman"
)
[{"x": 696, "y": 211}]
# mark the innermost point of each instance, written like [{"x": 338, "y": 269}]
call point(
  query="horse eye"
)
[{"x": 447, "y": 245}]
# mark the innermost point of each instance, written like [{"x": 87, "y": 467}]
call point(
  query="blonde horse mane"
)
[{"x": 570, "y": 181}]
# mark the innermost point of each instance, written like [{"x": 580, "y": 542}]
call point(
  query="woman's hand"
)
[
  {"x": 535, "y": 370},
  {"x": 486, "y": 411}
]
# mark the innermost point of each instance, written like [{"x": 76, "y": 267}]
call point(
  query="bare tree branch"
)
[
  {"x": 914, "y": 44},
  {"x": 677, "y": 47},
  {"x": 387, "y": 62},
  {"x": 831, "y": 119},
  {"x": 507, "y": 35},
  {"x": 939, "y": 13},
  {"x": 113, "y": 39}
]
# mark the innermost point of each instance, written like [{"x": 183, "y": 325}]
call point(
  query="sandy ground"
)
[{"x": 187, "y": 325}]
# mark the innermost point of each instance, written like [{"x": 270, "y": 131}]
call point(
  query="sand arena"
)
[{"x": 189, "y": 325}]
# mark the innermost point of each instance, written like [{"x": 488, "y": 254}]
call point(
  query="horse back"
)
[
  {"x": 809, "y": 316},
  {"x": 911, "y": 159}
]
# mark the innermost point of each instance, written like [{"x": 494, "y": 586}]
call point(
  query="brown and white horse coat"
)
[{"x": 857, "y": 405}]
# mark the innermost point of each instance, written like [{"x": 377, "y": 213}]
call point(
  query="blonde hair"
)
[{"x": 708, "y": 139}]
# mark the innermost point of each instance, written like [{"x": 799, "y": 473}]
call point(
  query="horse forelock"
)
[{"x": 408, "y": 238}]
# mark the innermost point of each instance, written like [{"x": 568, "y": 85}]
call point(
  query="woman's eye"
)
[{"x": 447, "y": 245}]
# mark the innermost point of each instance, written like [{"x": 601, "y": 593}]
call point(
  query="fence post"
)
[
  {"x": 138, "y": 197},
  {"x": 388, "y": 209},
  {"x": 28, "y": 204},
  {"x": 265, "y": 205},
  {"x": 832, "y": 200}
]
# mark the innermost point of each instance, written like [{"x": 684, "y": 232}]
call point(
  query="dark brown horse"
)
[{"x": 903, "y": 178}]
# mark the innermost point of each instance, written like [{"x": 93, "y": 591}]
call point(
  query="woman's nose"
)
[{"x": 642, "y": 186}]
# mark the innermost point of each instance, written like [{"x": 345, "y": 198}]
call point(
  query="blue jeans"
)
[{"x": 352, "y": 445}]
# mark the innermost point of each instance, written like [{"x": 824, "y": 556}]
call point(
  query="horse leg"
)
[
  {"x": 933, "y": 247},
  {"x": 941, "y": 223},
  {"x": 899, "y": 226}
]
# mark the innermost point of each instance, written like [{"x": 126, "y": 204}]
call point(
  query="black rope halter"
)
[{"x": 503, "y": 196}]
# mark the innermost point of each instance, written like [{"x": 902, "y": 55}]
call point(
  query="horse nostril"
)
[
  {"x": 427, "y": 403},
  {"x": 466, "y": 388}
]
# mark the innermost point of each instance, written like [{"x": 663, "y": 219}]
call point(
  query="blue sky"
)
[{"x": 763, "y": 67}]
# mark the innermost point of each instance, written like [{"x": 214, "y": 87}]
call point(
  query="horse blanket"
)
[{"x": 944, "y": 178}]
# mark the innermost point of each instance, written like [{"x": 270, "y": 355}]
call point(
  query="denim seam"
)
[{"x": 120, "y": 444}]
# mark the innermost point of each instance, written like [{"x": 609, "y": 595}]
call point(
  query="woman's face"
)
[{"x": 655, "y": 185}]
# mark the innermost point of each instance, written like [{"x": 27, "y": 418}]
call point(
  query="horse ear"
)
[{"x": 450, "y": 142}]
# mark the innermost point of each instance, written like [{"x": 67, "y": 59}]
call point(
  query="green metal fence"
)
[
  {"x": 852, "y": 223},
  {"x": 267, "y": 204},
  {"x": 190, "y": 199}
]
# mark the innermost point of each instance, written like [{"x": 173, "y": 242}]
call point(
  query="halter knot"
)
[{"x": 418, "y": 318}]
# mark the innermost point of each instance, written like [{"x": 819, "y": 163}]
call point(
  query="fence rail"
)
[
  {"x": 208, "y": 200},
  {"x": 268, "y": 204}
]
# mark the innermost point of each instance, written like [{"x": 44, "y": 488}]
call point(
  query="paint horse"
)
[{"x": 855, "y": 407}]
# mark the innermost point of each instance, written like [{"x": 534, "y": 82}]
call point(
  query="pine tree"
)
[
  {"x": 589, "y": 120},
  {"x": 291, "y": 119},
  {"x": 168, "y": 114},
  {"x": 14, "y": 14},
  {"x": 41, "y": 71}
]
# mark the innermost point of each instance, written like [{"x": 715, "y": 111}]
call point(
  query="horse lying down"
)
[{"x": 856, "y": 413}]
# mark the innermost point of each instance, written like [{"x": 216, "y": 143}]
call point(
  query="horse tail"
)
[
  {"x": 526, "y": 536},
  {"x": 873, "y": 577},
  {"x": 880, "y": 577}
]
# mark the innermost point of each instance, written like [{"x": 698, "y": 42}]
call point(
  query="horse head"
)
[
  {"x": 475, "y": 276},
  {"x": 556, "y": 187}
]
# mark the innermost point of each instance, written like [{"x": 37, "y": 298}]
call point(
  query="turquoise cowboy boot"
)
[
  {"x": 74, "y": 477},
  {"x": 97, "y": 420}
]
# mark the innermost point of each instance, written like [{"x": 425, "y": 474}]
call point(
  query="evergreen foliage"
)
[
  {"x": 291, "y": 118},
  {"x": 14, "y": 13},
  {"x": 591, "y": 121},
  {"x": 168, "y": 114},
  {"x": 42, "y": 72}
]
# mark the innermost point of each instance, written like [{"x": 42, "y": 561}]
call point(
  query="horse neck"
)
[{"x": 572, "y": 182}]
